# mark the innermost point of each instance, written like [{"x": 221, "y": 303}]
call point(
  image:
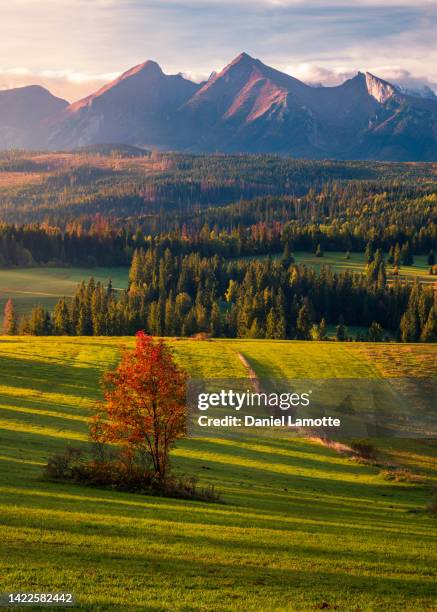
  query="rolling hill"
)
[{"x": 297, "y": 518}]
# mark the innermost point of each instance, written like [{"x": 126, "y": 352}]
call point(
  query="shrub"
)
[
  {"x": 123, "y": 472},
  {"x": 186, "y": 487},
  {"x": 114, "y": 474},
  {"x": 402, "y": 475},
  {"x": 364, "y": 449},
  {"x": 61, "y": 466}
]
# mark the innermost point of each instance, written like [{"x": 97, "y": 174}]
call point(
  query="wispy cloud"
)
[{"x": 72, "y": 46}]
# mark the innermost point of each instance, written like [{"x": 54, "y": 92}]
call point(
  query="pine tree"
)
[
  {"x": 390, "y": 258},
  {"x": 314, "y": 333},
  {"x": 341, "y": 330},
  {"x": 369, "y": 252},
  {"x": 61, "y": 319},
  {"x": 287, "y": 256},
  {"x": 169, "y": 316},
  {"x": 39, "y": 323},
  {"x": 280, "y": 332},
  {"x": 429, "y": 332},
  {"x": 410, "y": 321},
  {"x": 231, "y": 291},
  {"x": 303, "y": 323},
  {"x": 255, "y": 331},
  {"x": 396, "y": 256},
  {"x": 431, "y": 258},
  {"x": 10, "y": 319},
  {"x": 407, "y": 254},
  {"x": 84, "y": 323},
  {"x": 215, "y": 326},
  {"x": 376, "y": 333},
  {"x": 271, "y": 324},
  {"x": 323, "y": 330}
]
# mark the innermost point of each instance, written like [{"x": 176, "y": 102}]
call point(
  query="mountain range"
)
[{"x": 247, "y": 107}]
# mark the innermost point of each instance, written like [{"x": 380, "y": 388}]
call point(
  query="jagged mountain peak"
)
[
  {"x": 136, "y": 81},
  {"x": 149, "y": 67},
  {"x": 378, "y": 88},
  {"x": 247, "y": 106}
]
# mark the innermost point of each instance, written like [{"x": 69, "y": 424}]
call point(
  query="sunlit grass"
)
[{"x": 300, "y": 525}]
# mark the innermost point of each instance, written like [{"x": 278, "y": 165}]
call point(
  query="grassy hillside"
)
[
  {"x": 44, "y": 286},
  {"x": 301, "y": 527}
]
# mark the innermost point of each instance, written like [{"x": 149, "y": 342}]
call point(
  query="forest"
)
[{"x": 210, "y": 242}]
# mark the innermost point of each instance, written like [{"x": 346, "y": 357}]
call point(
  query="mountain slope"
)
[
  {"x": 247, "y": 107},
  {"x": 250, "y": 107},
  {"x": 21, "y": 112},
  {"x": 136, "y": 108}
]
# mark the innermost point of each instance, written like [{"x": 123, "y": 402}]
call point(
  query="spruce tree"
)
[
  {"x": 429, "y": 332},
  {"x": 368, "y": 254},
  {"x": 314, "y": 333},
  {"x": 323, "y": 330},
  {"x": 61, "y": 318},
  {"x": 39, "y": 323},
  {"x": 341, "y": 330},
  {"x": 396, "y": 256},
  {"x": 407, "y": 254},
  {"x": 376, "y": 333},
  {"x": 215, "y": 326},
  {"x": 390, "y": 258},
  {"x": 303, "y": 323}
]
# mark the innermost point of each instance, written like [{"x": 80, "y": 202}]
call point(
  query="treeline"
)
[
  {"x": 341, "y": 217},
  {"x": 33, "y": 245},
  {"x": 181, "y": 295},
  {"x": 104, "y": 244}
]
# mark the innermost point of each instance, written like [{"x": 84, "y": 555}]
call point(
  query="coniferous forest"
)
[{"x": 210, "y": 243}]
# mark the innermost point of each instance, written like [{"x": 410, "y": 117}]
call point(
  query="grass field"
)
[
  {"x": 356, "y": 264},
  {"x": 44, "y": 286},
  {"x": 301, "y": 527}
]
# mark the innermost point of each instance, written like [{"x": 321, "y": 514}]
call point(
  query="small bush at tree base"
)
[
  {"x": 122, "y": 472},
  {"x": 62, "y": 466}
]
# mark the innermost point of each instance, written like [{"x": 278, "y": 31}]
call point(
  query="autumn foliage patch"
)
[{"x": 134, "y": 428}]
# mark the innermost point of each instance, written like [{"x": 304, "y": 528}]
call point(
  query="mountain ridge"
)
[{"x": 248, "y": 106}]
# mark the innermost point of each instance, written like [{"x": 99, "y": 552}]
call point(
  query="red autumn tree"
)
[
  {"x": 144, "y": 409},
  {"x": 10, "y": 321}
]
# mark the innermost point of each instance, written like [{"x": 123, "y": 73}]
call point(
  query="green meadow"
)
[
  {"x": 301, "y": 527},
  {"x": 44, "y": 286},
  {"x": 356, "y": 264}
]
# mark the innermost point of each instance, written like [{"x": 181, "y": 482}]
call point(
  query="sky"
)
[{"x": 72, "y": 47}]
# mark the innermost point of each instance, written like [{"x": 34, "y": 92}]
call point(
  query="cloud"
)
[
  {"x": 320, "y": 75},
  {"x": 67, "y": 84},
  {"x": 72, "y": 46}
]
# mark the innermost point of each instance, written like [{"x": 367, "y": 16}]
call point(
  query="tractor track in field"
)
[{"x": 332, "y": 444}]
